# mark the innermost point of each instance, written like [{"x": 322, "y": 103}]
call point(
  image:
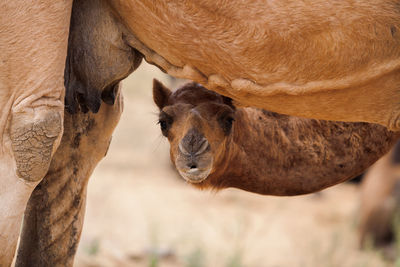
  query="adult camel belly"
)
[{"x": 321, "y": 59}]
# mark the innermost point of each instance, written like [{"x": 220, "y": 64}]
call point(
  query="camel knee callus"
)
[
  {"x": 215, "y": 145},
  {"x": 34, "y": 138}
]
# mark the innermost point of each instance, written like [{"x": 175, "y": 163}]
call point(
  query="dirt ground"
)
[{"x": 141, "y": 213}]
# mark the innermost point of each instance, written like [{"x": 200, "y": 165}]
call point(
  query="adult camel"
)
[{"x": 320, "y": 59}]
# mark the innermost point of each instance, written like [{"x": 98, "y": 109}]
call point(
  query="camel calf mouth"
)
[
  {"x": 195, "y": 175},
  {"x": 194, "y": 167}
]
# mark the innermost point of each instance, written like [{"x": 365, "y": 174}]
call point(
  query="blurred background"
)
[{"x": 141, "y": 213}]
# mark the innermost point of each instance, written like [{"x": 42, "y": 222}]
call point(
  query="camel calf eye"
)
[
  {"x": 230, "y": 120},
  {"x": 164, "y": 127},
  {"x": 226, "y": 124},
  {"x": 165, "y": 123}
]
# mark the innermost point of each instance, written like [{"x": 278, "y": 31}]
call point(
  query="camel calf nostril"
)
[
  {"x": 203, "y": 147},
  {"x": 183, "y": 150},
  {"x": 193, "y": 150}
]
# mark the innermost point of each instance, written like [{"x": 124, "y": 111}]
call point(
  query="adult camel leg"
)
[
  {"x": 54, "y": 215},
  {"x": 97, "y": 60},
  {"x": 33, "y": 45},
  {"x": 380, "y": 200}
]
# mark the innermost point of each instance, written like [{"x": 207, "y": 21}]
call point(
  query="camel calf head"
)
[
  {"x": 215, "y": 145},
  {"x": 197, "y": 123}
]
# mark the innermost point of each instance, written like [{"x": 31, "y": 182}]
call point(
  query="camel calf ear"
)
[
  {"x": 228, "y": 101},
  {"x": 160, "y": 94}
]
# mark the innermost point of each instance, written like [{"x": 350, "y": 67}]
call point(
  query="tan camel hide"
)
[
  {"x": 325, "y": 59},
  {"x": 55, "y": 212},
  {"x": 33, "y": 45}
]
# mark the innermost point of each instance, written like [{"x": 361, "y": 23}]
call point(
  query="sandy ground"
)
[{"x": 141, "y": 213}]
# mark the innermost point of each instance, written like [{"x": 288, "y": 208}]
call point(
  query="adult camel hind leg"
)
[
  {"x": 33, "y": 45},
  {"x": 54, "y": 215}
]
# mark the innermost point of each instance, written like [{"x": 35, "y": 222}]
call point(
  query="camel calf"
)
[
  {"x": 217, "y": 145},
  {"x": 380, "y": 198}
]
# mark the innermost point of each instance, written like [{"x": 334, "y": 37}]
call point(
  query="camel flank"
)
[
  {"x": 216, "y": 145},
  {"x": 321, "y": 59}
]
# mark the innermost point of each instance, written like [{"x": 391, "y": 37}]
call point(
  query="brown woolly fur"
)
[{"x": 214, "y": 145}]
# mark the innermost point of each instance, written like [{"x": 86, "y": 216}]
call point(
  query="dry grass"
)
[{"x": 140, "y": 213}]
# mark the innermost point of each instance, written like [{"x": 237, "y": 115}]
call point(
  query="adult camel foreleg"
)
[
  {"x": 54, "y": 215},
  {"x": 33, "y": 45},
  {"x": 98, "y": 58}
]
